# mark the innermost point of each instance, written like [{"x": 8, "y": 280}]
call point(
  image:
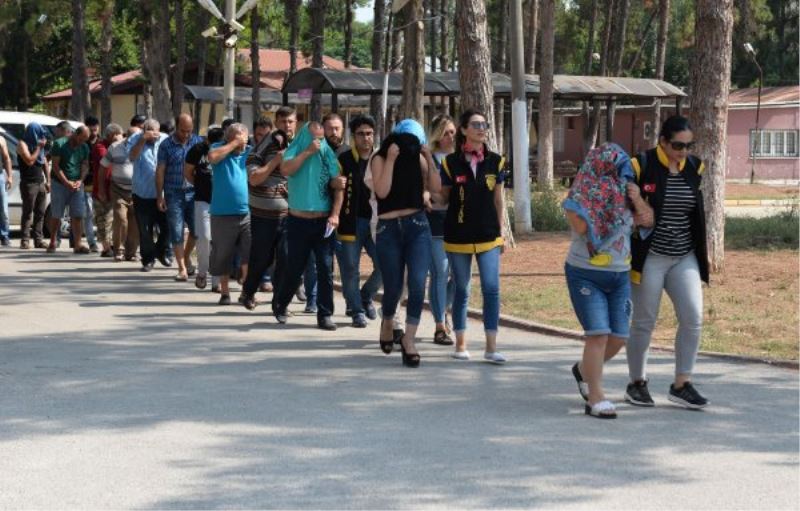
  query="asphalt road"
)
[{"x": 126, "y": 390}]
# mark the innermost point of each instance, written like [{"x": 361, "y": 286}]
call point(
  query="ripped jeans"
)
[{"x": 601, "y": 299}]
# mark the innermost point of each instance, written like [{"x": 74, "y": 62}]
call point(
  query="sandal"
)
[
  {"x": 583, "y": 387},
  {"x": 604, "y": 409},
  {"x": 181, "y": 277},
  {"x": 386, "y": 345},
  {"x": 441, "y": 338}
]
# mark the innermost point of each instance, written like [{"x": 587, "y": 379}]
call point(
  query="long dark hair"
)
[
  {"x": 463, "y": 122},
  {"x": 672, "y": 125}
]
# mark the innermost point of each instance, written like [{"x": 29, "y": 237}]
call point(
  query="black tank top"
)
[{"x": 406, "y": 190}]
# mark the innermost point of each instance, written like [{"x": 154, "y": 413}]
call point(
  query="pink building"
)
[{"x": 777, "y": 151}]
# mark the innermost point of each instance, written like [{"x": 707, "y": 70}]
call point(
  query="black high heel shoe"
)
[
  {"x": 386, "y": 346},
  {"x": 412, "y": 360}
]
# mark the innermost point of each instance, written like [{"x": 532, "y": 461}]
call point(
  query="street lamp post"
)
[
  {"x": 757, "y": 143},
  {"x": 229, "y": 36}
]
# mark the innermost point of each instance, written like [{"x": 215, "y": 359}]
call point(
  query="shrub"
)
[
  {"x": 769, "y": 233},
  {"x": 547, "y": 212}
]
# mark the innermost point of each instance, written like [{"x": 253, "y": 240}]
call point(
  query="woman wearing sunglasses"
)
[
  {"x": 672, "y": 258},
  {"x": 472, "y": 183}
]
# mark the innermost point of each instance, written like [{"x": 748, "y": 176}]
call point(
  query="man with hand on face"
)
[{"x": 312, "y": 169}]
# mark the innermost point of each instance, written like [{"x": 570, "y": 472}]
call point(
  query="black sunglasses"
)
[
  {"x": 479, "y": 125},
  {"x": 680, "y": 146}
]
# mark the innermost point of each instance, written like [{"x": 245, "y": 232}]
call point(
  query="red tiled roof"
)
[
  {"x": 94, "y": 85},
  {"x": 769, "y": 95},
  {"x": 278, "y": 60}
]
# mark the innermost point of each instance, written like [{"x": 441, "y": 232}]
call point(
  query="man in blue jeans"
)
[
  {"x": 175, "y": 195},
  {"x": 312, "y": 169},
  {"x": 6, "y": 180},
  {"x": 353, "y": 233}
]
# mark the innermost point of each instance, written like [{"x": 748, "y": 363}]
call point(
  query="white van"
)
[{"x": 15, "y": 122}]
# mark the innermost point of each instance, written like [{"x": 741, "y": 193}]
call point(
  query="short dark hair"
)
[
  {"x": 285, "y": 111},
  {"x": 331, "y": 116},
  {"x": 360, "y": 120},
  {"x": 215, "y": 135},
  {"x": 226, "y": 123},
  {"x": 263, "y": 122},
  {"x": 168, "y": 126},
  {"x": 138, "y": 120},
  {"x": 674, "y": 124},
  {"x": 91, "y": 120}
]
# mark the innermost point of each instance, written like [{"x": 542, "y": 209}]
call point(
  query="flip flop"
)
[{"x": 604, "y": 409}]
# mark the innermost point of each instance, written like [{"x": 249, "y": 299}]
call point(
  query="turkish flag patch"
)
[
  {"x": 650, "y": 187},
  {"x": 461, "y": 180}
]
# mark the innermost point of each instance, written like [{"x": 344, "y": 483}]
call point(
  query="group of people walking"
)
[{"x": 274, "y": 209}]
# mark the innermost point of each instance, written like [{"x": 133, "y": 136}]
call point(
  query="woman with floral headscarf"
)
[
  {"x": 598, "y": 208},
  {"x": 403, "y": 177}
]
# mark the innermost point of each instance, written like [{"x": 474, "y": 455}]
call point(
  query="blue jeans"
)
[
  {"x": 88, "y": 219},
  {"x": 348, "y": 253},
  {"x": 441, "y": 289},
  {"x": 601, "y": 299},
  {"x": 148, "y": 217},
  {"x": 180, "y": 211},
  {"x": 5, "y": 227},
  {"x": 305, "y": 236},
  {"x": 268, "y": 234},
  {"x": 402, "y": 243},
  {"x": 489, "y": 271},
  {"x": 310, "y": 281}
]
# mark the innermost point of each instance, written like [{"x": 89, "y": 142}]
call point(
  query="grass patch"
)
[{"x": 769, "y": 233}]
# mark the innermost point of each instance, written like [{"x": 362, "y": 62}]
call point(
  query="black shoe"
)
[
  {"x": 359, "y": 321},
  {"x": 224, "y": 300},
  {"x": 147, "y": 267},
  {"x": 348, "y": 312},
  {"x": 215, "y": 288},
  {"x": 249, "y": 302},
  {"x": 687, "y": 396},
  {"x": 397, "y": 335},
  {"x": 310, "y": 309},
  {"x": 409, "y": 360},
  {"x": 638, "y": 395},
  {"x": 281, "y": 316},
  {"x": 94, "y": 249},
  {"x": 5, "y": 242},
  {"x": 386, "y": 346},
  {"x": 326, "y": 323},
  {"x": 441, "y": 338},
  {"x": 165, "y": 261},
  {"x": 370, "y": 311},
  {"x": 107, "y": 253},
  {"x": 583, "y": 387}
]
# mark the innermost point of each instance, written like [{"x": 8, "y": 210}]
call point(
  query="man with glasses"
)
[{"x": 353, "y": 233}]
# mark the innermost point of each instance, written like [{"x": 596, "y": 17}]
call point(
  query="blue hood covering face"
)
[
  {"x": 33, "y": 133},
  {"x": 411, "y": 127}
]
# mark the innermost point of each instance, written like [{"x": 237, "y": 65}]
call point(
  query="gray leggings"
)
[{"x": 680, "y": 278}]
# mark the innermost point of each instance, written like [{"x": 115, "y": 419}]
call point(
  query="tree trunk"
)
[
  {"x": 411, "y": 104},
  {"x": 545, "y": 153},
  {"x": 348, "y": 33},
  {"x": 202, "y": 56},
  {"x": 502, "y": 67},
  {"x": 532, "y": 35},
  {"x": 156, "y": 39},
  {"x": 106, "y": 49},
  {"x": 474, "y": 60},
  {"x": 255, "y": 63},
  {"x": 711, "y": 73},
  {"x": 638, "y": 55},
  {"x": 180, "y": 62},
  {"x": 378, "y": 34},
  {"x": 216, "y": 78},
  {"x": 433, "y": 26},
  {"x": 395, "y": 43},
  {"x": 588, "y": 60},
  {"x": 444, "y": 41},
  {"x": 661, "y": 58},
  {"x": 318, "y": 9},
  {"x": 80, "y": 104},
  {"x": 593, "y": 127},
  {"x": 618, "y": 44},
  {"x": 293, "y": 20}
]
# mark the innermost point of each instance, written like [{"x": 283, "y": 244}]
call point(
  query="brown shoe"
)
[
  {"x": 25, "y": 244},
  {"x": 39, "y": 244},
  {"x": 83, "y": 249}
]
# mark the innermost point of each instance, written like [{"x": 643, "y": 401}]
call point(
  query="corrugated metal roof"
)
[{"x": 769, "y": 95}]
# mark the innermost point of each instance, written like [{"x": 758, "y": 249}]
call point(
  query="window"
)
[{"x": 774, "y": 143}]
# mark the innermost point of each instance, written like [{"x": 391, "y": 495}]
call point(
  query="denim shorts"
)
[
  {"x": 61, "y": 197},
  {"x": 180, "y": 211},
  {"x": 601, "y": 299}
]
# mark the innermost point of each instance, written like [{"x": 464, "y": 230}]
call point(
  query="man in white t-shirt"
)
[{"x": 125, "y": 232}]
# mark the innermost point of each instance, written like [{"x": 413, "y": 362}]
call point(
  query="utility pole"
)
[
  {"x": 229, "y": 36},
  {"x": 519, "y": 124}
]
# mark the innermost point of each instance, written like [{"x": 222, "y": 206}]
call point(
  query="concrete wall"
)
[{"x": 740, "y": 122}]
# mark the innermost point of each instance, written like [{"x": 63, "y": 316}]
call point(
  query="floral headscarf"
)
[{"x": 598, "y": 193}]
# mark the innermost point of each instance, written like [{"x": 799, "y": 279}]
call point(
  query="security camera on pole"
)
[{"x": 229, "y": 36}]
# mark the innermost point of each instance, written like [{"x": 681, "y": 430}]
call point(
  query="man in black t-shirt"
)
[{"x": 198, "y": 172}]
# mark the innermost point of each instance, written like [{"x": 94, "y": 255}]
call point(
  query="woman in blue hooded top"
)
[
  {"x": 34, "y": 184},
  {"x": 403, "y": 177}
]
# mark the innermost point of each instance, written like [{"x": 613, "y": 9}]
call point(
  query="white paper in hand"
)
[{"x": 329, "y": 230}]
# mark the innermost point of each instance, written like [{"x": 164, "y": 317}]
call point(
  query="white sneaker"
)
[
  {"x": 460, "y": 355},
  {"x": 494, "y": 357}
]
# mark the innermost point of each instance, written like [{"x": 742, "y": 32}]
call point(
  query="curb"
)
[
  {"x": 776, "y": 203},
  {"x": 541, "y": 328}
]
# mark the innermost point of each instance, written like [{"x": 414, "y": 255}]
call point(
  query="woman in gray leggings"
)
[{"x": 671, "y": 257}]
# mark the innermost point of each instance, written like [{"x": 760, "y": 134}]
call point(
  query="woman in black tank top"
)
[{"x": 403, "y": 176}]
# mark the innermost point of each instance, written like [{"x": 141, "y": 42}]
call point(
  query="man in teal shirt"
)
[
  {"x": 312, "y": 170},
  {"x": 70, "y": 166}
]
